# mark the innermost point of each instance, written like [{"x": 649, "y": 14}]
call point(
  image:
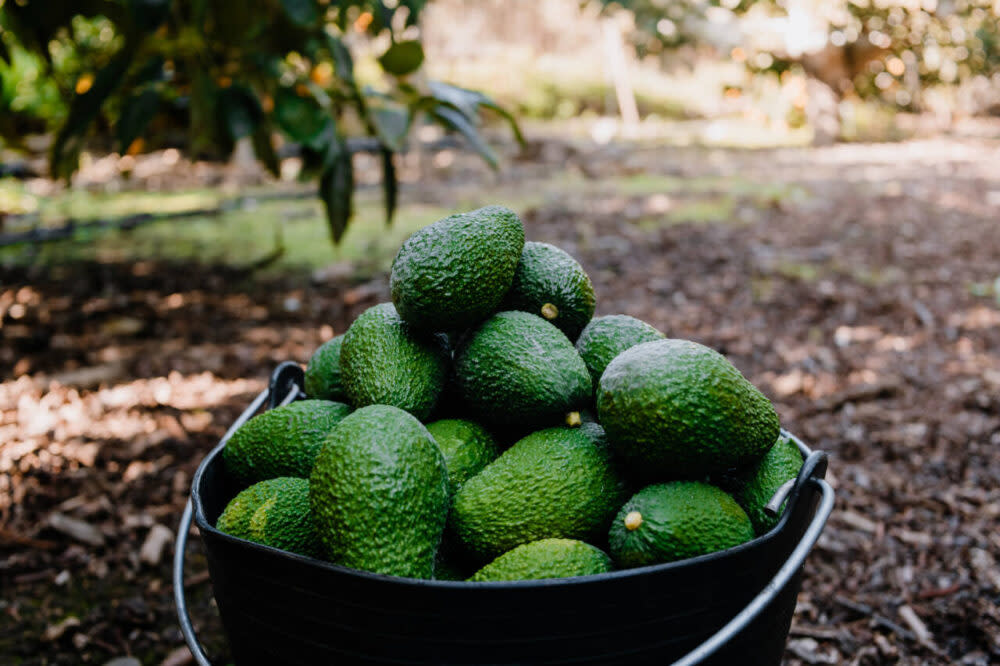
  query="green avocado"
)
[
  {"x": 677, "y": 409},
  {"x": 554, "y": 483},
  {"x": 285, "y": 521},
  {"x": 274, "y": 513},
  {"x": 551, "y": 284},
  {"x": 755, "y": 486},
  {"x": 379, "y": 493},
  {"x": 604, "y": 338},
  {"x": 384, "y": 362},
  {"x": 518, "y": 369},
  {"x": 467, "y": 447},
  {"x": 235, "y": 518},
  {"x": 453, "y": 273},
  {"x": 323, "y": 372},
  {"x": 546, "y": 558},
  {"x": 283, "y": 441},
  {"x": 674, "y": 521}
]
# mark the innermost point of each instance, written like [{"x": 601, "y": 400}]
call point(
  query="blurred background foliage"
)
[
  {"x": 134, "y": 75},
  {"x": 312, "y": 82},
  {"x": 889, "y": 50}
]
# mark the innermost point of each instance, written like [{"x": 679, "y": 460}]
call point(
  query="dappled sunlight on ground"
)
[{"x": 863, "y": 302}]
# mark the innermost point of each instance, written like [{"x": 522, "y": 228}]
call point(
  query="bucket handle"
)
[
  {"x": 696, "y": 656},
  {"x": 771, "y": 590}
]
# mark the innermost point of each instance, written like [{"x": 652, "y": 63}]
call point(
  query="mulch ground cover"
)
[{"x": 866, "y": 309}]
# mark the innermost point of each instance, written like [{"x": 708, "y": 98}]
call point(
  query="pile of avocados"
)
[{"x": 483, "y": 426}]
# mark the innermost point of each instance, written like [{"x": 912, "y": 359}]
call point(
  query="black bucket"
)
[{"x": 732, "y": 607}]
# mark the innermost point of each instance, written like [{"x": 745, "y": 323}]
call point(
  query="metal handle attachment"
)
[{"x": 771, "y": 590}]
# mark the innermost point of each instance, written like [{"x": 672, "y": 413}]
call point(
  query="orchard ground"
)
[{"x": 857, "y": 285}]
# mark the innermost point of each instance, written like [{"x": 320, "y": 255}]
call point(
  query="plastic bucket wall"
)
[{"x": 279, "y": 608}]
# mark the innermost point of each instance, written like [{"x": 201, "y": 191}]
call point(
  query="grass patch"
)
[{"x": 237, "y": 237}]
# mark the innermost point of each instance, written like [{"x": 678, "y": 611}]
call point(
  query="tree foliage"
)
[
  {"x": 886, "y": 49},
  {"x": 229, "y": 71}
]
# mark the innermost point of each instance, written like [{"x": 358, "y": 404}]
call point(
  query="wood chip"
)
[
  {"x": 55, "y": 631},
  {"x": 76, "y": 529},
  {"x": 807, "y": 649},
  {"x": 152, "y": 548},
  {"x": 857, "y": 521},
  {"x": 985, "y": 567},
  {"x": 916, "y": 625},
  {"x": 179, "y": 657}
]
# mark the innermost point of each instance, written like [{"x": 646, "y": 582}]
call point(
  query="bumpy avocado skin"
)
[
  {"x": 285, "y": 521},
  {"x": 283, "y": 441},
  {"x": 379, "y": 493},
  {"x": 680, "y": 519},
  {"x": 604, "y": 338},
  {"x": 453, "y": 273},
  {"x": 677, "y": 409},
  {"x": 755, "y": 487},
  {"x": 554, "y": 483},
  {"x": 518, "y": 369},
  {"x": 546, "y": 558},
  {"x": 467, "y": 447},
  {"x": 384, "y": 362},
  {"x": 323, "y": 372},
  {"x": 235, "y": 518},
  {"x": 548, "y": 276}
]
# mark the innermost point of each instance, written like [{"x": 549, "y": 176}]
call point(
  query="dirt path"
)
[{"x": 856, "y": 285}]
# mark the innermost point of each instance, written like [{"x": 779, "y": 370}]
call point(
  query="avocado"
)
[
  {"x": 379, "y": 493},
  {"x": 551, "y": 284},
  {"x": 554, "y": 483},
  {"x": 673, "y": 521},
  {"x": 606, "y": 337},
  {"x": 518, "y": 369},
  {"x": 453, "y": 273},
  {"x": 546, "y": 558},
  {"x": 383, "y": 362},
  {"x": 235, "y": 518},
  {"x": 283, "y": 441},
  {"x": 285, "y": 521},
  {"x": 755, "y": 486},
  {"x": 467, "y": 448},
  {"x": 677, "y": 409},
  {"x": 323, "y": 372}
]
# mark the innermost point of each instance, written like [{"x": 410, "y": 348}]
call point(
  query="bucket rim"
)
[{"x": 813, "y": 467}]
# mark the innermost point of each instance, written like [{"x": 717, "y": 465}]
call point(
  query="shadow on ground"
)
[{"x": 854, "y": 284}]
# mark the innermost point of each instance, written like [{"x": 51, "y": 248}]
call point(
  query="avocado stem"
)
[
  {"x": 550, "y": 311},
  {"x": 633, "y": 520},
  {"x": 573, "y": 419}
]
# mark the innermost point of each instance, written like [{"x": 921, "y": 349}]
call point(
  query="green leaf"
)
[
  {"x": 402, "y": 58},
  {"x": 466, "y": 101},
  {"x": 301, "y": 118},
  {"x": 136, "y": 113},
  {"x": 508, "y": 116},
  {"x": 391, "y": 126},
  {"x": 390, "y": 184},
  {"x": 336, "y": 187},
  {"x": 83, "y": 110},
  {"x": 240, "y": 111},
  {"x": 263, "y": 147},
  {"x": 469, "y": 101},
  {"x": 454, "y": 119},
  {"x": 343, "y": 64},
  {"x": 301, "y": 12}
]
